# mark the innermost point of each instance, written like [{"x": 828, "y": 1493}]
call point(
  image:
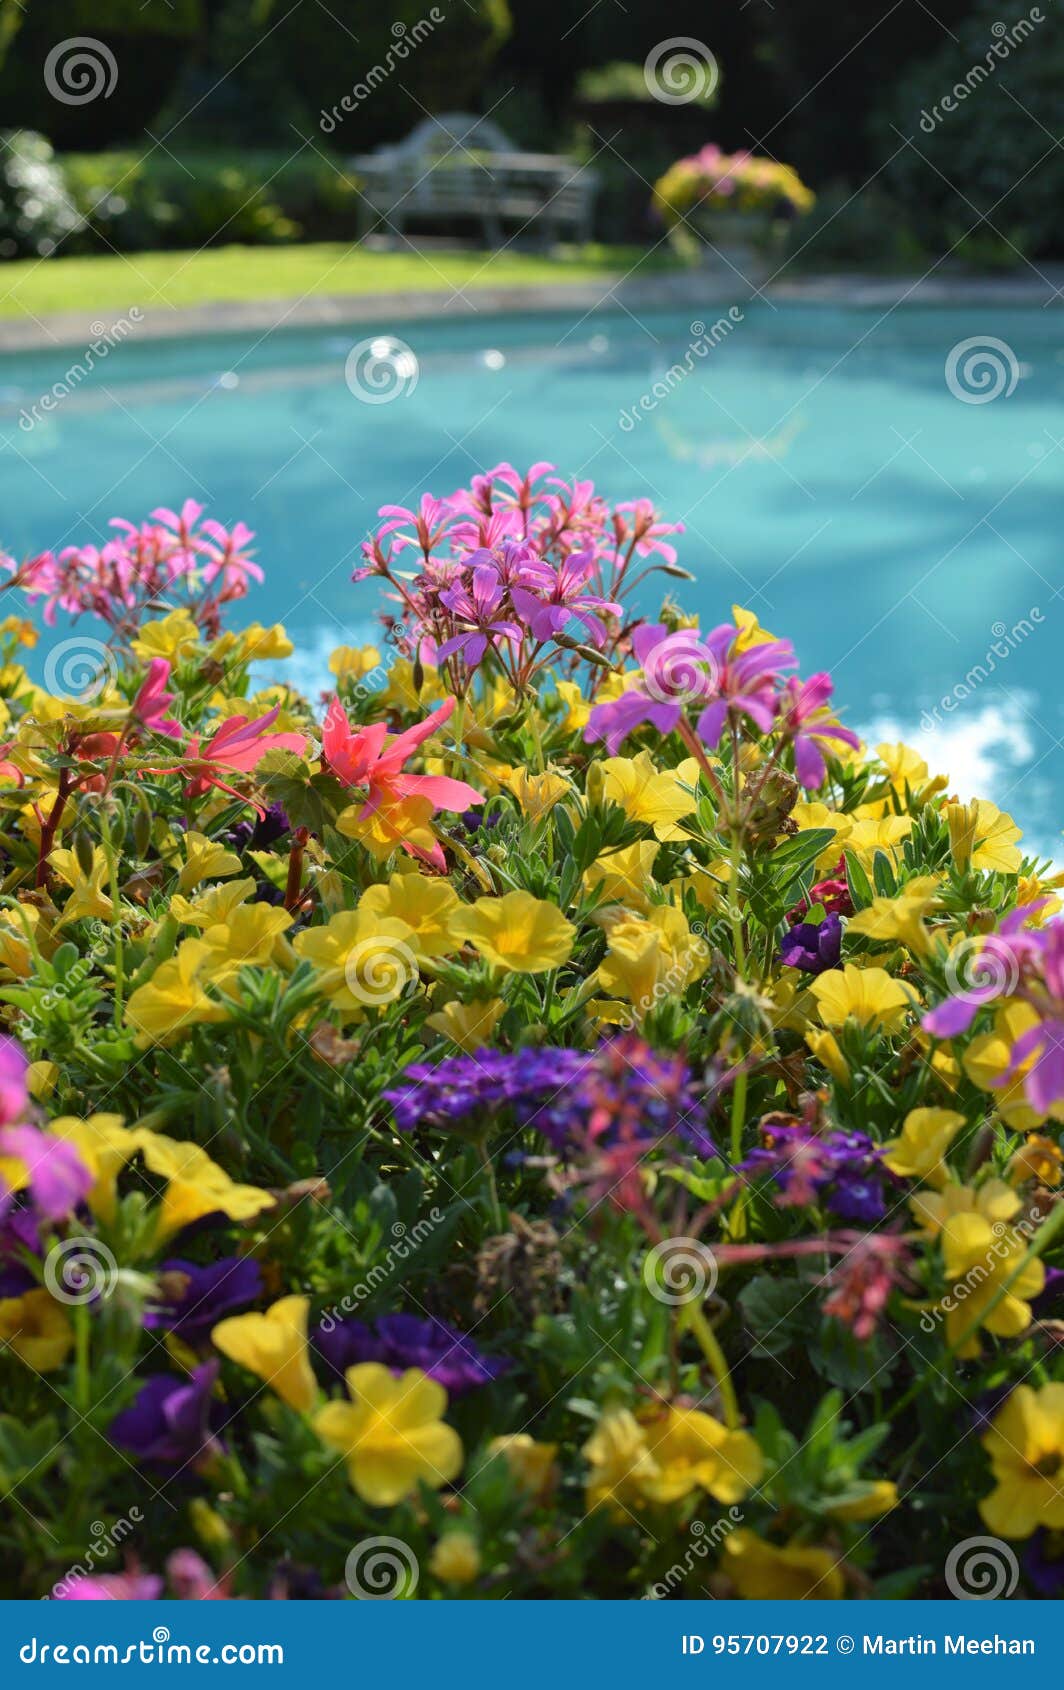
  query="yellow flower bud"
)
[{"x": 456, "y": 1558}]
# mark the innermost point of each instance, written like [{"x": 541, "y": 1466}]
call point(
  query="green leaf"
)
[{"x": 857, "y": 880}]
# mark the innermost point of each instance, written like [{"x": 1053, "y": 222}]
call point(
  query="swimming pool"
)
[{"x": 830, "y": 476}]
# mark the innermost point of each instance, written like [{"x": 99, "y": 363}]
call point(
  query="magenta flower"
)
[
  {"x": 14, "y": 1092},
  {"x": 473, "y": 608},
  {"x": 995, "y": 971},
  {"x": 807, "y": 721},
  {"x": 747, "y": 683},
  {"x": 558, "y": 595},
  {"x": 153, "y": 701},
  {"x": 58, "y": 1178},
  {"x": 643, "y": 532},
  {"x": 678, "y": 669}
]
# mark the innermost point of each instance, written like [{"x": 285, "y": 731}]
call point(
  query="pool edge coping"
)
[{"x": 699, "y": 290}]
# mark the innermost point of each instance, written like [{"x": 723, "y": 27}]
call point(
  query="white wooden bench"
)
[{"x": 458, "y": 165}]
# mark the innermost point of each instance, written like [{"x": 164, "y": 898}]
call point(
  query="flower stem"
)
[{"x": 707, "y": 1339}]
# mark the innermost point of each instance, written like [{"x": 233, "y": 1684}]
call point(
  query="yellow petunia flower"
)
[
  {"x": 36, "y": 1329},
  {"x": 825, "y": 1047},
  {"x": 273, "y": 1346},
  {"x": 173, "y": 636},
  {"x": 919, "y": 1153},
  {"x": 624, "y": 876},
  {"x": 425, "y": 904},
  {"x": 456, "y": 1558},
  {"x": 981, "y": 1252},
  {"x": 16, "y": 926},
  {"x": 467, "y": 1025},
  {"x": 363, "y": 960},
  {"x": 870, "y": 834},
  {"x": 196, "y": 1186},
  {"x": 657, "y": 798},
  {"x": 214, "y": 907},
  {"x": 692, "y": 1451},
  {"x": 206, "y": 859},
  {"x": 1025, "y": 1444},
  {"x": 537, "y": 794},
  {"x": 651, "y": 958},
  {"x": 88, "y": 900},
  {"x": 519, "y": 933},
  {"x": 795, "y": 1572},
  {"x": 392, "y": 1433},
  {"x": 533, "y": 1466},
  {"x": 899, "y": 919},
  {"x": 352, "y": 662},
  {"x": 175, "y": 998},
  {"x": 996, "y": 834},
  {"x": 620, "y": 1461},
  {"x": 251, "y": 938},
  {"x": 256, "y": 644},
  {"x": 869, "y": 995},
  {"x": 879, "y": 1498}
]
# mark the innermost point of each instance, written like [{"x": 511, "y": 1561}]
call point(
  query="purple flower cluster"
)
[
  {"x": 621, "y": 1090},
  {"x": 841, "y": 1170},
  {"x": 403, "y": 1340}
]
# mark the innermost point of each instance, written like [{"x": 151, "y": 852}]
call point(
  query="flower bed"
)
[{"x": 556, "y": 1117}]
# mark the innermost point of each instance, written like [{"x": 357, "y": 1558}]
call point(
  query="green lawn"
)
[{"x": 151, "y": 280}]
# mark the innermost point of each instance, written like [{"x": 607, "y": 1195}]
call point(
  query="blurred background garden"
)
[
  {"x": 232, "y": 122},
  {"x": 789, "y": 269}
]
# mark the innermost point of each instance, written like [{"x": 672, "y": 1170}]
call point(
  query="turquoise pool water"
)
[{"x": 830, "y": 478}]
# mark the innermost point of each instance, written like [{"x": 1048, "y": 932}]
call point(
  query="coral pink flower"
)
[
  {"x": 369, "y": 757},
  {"x": 240, "y": 745}
]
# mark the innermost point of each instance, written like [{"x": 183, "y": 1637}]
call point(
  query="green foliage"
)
[
  {"x": 146, "y": 43},
  {"x": 406, "y": 63},
  {"x": 134, "y": 201},
  {"x": 990, "y": 156}
]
